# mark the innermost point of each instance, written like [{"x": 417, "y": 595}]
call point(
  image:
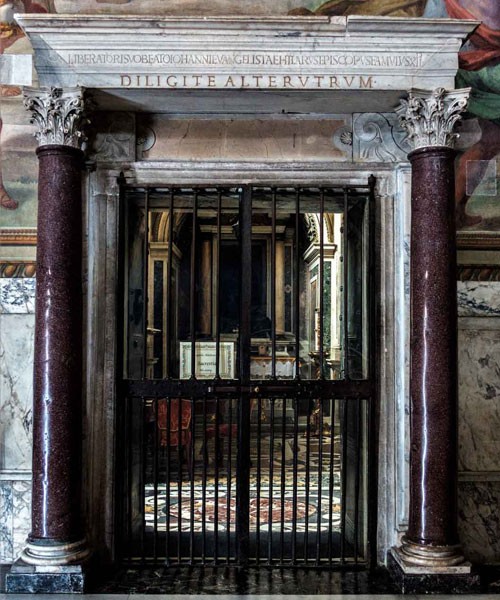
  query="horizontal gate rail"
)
[{"x": 289, "y": 389}]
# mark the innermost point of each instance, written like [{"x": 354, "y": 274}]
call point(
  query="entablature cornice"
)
[{"x": 239, "y": 53}]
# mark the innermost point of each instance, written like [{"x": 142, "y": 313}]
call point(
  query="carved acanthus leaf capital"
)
[
  {"x": 429, "y": 117},
  {"x": 59, "y": 115}
]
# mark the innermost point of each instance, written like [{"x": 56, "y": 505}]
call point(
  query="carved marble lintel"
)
[
  {"x": 59, "y": 115},
  {"x": 429, "y": 117}
]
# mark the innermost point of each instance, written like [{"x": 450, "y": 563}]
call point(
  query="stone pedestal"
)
[
  {"x": 431, "y": 546},
  {"x": 56, "y": 551}
]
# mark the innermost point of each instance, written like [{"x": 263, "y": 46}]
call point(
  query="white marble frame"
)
[{"x": 101, "y": 325}]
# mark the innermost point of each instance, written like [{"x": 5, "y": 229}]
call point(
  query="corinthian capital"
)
[
  {"x": 58, "y": 114},
  {"x": 429, "y": 117}
]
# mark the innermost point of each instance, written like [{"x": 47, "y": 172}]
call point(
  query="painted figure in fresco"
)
[
  {"x": 10, "y": 32},
  {"x": 386, "y": 8},
  {"x": 479, "y": 62}
]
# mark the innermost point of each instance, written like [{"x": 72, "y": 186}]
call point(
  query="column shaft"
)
[
  {"x": 57, "y": 429},
  {"x": 433, "y": 371}
]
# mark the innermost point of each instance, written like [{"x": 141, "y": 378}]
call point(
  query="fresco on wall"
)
[
  {"x": 477, "y": 192},
  {"x": 17, "y": 160},
  {"x": 242, "y": 7}
]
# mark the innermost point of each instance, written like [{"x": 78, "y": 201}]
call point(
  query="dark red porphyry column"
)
[
  {"x": 431, "y": 541},
  {"x": 57, "y": 536}
]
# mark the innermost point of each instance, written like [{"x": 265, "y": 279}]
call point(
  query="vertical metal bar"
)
[
  {"x": 320, "y": 482},
  {"x": 218, "y": 249},
  {"x": 128, "y": 410},
  {"x": 357, "y": 476},
  {"x": 345, "y": 282},
  {"x": 273, "y": 284},
  {"x": 168, "y": 414},
  {"x": 243, "y": 456},
  {"x": 296, "y": 274},
  {"x": 168, "y": 332},
  {"x": 343, "y": 491},
  {"x": 259, "y": 475},
  {"x": 271, "y": 486},
  {"x": 142, "y": 492},
  {"x": 331, "y": 480},
  {"x": 283, "y": 473},
  {"x": 192, "y": 290},
  {"x": 179, "y": 479},
  {"x": 145, "y": 285},
  {"x": 190, "y": 465},
  {"x": 229, "y": 483},
  {"x": 156, "y": 453},
  {"x": 295, "y": 477},
  {"x": 321, "y": 283},
  {"x": 308, "y": 474},
  {"x": 216, "y": 492},
  {"x": 203, "y": 486}
]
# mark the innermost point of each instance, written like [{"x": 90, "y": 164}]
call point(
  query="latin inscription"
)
[
  {"x": 252, "y": 70},
  {"x": 299, "y": 82},
  {"x": 235, "y": 59}
]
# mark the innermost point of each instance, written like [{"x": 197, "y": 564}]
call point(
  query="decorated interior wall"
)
[{"x": 478, "y": 224}]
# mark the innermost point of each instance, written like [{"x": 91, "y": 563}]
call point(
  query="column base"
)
[
  {"x": 50, "y": 568},
  {"x": 438, "y": 579},
  {"x": 35, "y": 579}
]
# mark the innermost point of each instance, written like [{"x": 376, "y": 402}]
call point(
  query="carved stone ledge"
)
[
  {"x": 429, "y": 117},
  {"x": 58, "y": 114}
]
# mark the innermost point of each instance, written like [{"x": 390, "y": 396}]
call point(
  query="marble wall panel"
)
[
  {"x": 16, "y": 390},
  {"x": 479, "y": 520},
  {"x": 160, "y": 137},
  {"x": 478, "y": 299},
  {"x": 21, "y": 515},
  {"x": 17, "y": 295},
  {"x": 479, "y": 396},
  {"x": 6, "y": 517}
]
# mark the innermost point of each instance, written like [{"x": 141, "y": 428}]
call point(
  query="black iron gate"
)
[{"x": 247, "y": 385}]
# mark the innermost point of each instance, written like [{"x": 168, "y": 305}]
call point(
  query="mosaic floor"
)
[{"x": 304, "y": 494}]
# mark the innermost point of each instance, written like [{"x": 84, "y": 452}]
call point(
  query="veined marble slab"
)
[
  {"x": 6, "y": 512},
  {"x": 16, "y": 390},
  {"x": 479, "y": 400},
  {"x": 17, "y": 295},
  {"x": 478, "y": 299},
  {"x": 479, "y": 521}
]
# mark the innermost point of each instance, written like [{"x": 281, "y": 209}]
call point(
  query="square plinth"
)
[
  {"x": 30, "y": 579},
  {"x": 460, "y": 579}
]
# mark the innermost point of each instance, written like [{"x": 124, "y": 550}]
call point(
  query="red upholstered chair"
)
[{"x": 170, "y": 433}]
